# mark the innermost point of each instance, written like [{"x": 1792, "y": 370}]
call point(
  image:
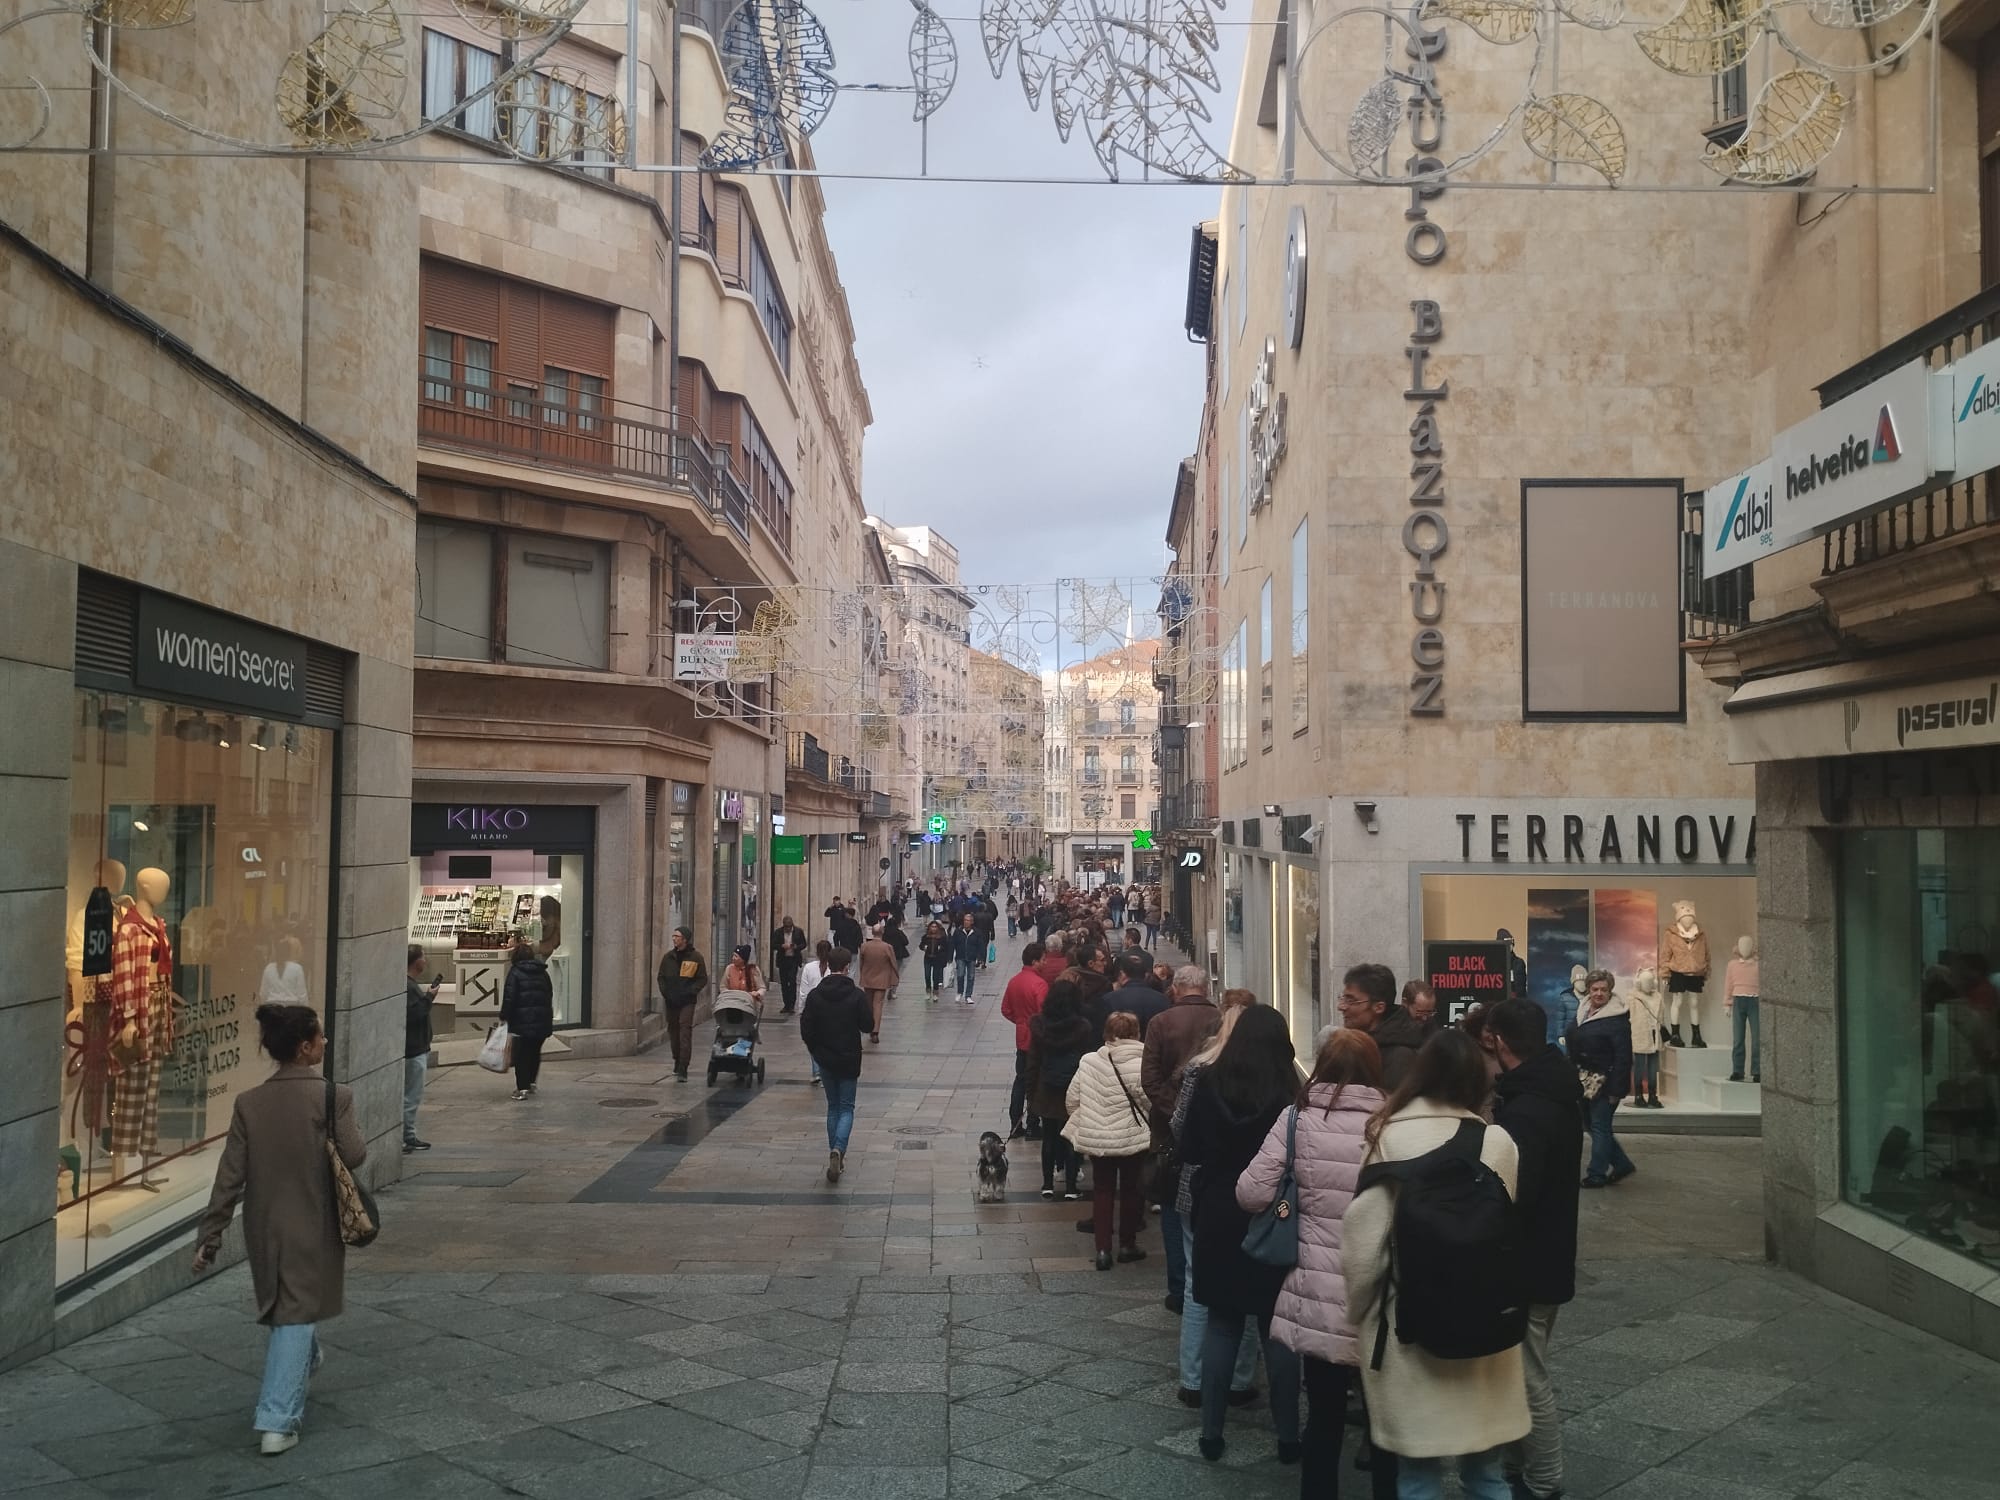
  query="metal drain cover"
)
[
  {"x": 918, "y": 1130},
  {"x": 626, "y": 1103},
  {"x": 913, "y": 1145}
]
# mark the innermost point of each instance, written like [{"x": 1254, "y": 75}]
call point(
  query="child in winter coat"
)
[{"x": 1108, "y": 1123}]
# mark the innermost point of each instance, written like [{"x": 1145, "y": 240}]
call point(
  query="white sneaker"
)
[
  {"x": 271, "y": 1444},
  {"x": 518, "y": 1094}
]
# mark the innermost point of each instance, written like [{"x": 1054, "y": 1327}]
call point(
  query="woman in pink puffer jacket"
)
[{"x": 1311, "y": 1321}]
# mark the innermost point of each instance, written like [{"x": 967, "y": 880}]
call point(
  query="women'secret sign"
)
[{"x": 1425, "y": 534}]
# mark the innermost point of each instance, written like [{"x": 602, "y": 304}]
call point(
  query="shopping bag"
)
[
  {"x": 992, "y": 953},
  {"x": 493, "y": 1052}
]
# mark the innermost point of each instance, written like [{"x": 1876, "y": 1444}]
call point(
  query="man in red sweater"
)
[{"x": 1021, "y": 1003}]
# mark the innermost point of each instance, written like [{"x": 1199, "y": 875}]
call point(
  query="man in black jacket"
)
[
  {"x": 788, "y": 952},
  {"x": 683, "y": 975},
  {"x": 1368, "y": 1003},
  {"x": 1539, "y": 1102},
  {"x": 836, "y": 1016}
]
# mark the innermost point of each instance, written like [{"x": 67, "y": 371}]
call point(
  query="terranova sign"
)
[{"x": 1862, "y": 452}]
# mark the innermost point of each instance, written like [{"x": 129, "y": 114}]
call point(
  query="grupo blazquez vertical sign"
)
[{"x": 1426, "y": 536}]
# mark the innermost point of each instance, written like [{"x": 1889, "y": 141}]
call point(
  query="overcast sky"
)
[{"x": 1022, "y": 345}]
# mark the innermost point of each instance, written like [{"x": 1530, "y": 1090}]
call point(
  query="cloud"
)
[{"x": 1021, "y": 343}]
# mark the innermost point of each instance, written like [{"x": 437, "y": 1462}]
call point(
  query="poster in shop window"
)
[
  {"x": 1558, "y": 947},
  {"x": 1466, "y": 974},
  {"x": 1628, "y": 933}
]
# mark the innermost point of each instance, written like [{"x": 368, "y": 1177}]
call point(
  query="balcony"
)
[
  {"x": 594, "y": 435},
  {"x": 1092, "y": 776},
  {"x": 1191, "y": 809},
  {"x": 803, "y": 753}
]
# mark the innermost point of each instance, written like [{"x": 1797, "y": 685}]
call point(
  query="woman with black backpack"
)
[
  {"x": 1057, "y": 1039},
  {"x": 1240, "y": 1096},
  {"x": 1440, "y": 1347}
]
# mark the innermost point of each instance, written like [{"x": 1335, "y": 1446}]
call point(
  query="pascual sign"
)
[{"x": 1864, "y": 451}]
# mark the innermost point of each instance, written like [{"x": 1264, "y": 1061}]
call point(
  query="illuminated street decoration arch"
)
[{"x": 780, "y": 67}]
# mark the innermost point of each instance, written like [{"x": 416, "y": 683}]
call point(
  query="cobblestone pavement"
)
[{"x": 631, "y": 1287}]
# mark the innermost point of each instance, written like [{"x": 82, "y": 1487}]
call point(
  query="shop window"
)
[
  {"x": 454, "y": 592},
  {"x": 1301, "y": 630},
  {"x": 211, "y": 836},
  {"x": 1264, "y": 683},
  {"x": 1920, "y": 1032},
  {"x": 558, "y": 601}
]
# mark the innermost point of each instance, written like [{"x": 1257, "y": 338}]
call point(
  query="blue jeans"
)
[
  {"x": 1194, "y": 1331},
  {"x": 965, "y": 978},
  {"x": 288, "y": 1361},
  {"x": 1176, "y": 1246},
  {"x": 1010, "y": 927},
  {"x": 1606, "y": 1155},
  {"x": 414, "y": 1069},
  {"x": 839, "y": 1111},
  {"x": 1226, "y": 1335},
  {"x": 933, "y": 974},
  {"x": 1743, "y": 1012},
  {"x": 1480, "y": 1477}
]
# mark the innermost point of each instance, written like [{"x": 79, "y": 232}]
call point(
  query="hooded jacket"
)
[
  {"x": 683, "y": 975},
  {"x": 1055, "y": 1052},
  {"x": 527, "y": 1004},
  {"x": 1401, "y": 1036},
  {"x": 1107, "y": 1108},
  {"x": 1602, "y": 1043},
  {"x": 1311, "y": 1316},
  {"x": 832, "y": 1022},
  {"x": 1220, "y": 1142},
  {"x": 1539, "y": 1104},
  {"x": 1022, "y": 1002},
  {"x": 1174, "y": 1036},
  {"x": 1682, "y": 954}
]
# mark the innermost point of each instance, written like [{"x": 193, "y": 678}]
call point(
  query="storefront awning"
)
[{"x": 1937, "y": 698}]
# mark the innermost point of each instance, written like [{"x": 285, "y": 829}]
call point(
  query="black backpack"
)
[{"x": 1457, "y": 1259}]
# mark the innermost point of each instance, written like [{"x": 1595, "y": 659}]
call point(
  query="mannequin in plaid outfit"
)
[{"x": 142, "y": 1026}]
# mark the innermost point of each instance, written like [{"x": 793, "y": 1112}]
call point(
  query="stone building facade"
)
[{"x": 1104, "y": 779}]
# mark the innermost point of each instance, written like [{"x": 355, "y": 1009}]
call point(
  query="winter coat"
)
[
  {"x": 1421, "y": 1406},
  {"x": 895, "y": 937},
  {"x": 1141, "y": 1001},
  {"x": 741, "y": 976},
  {"x": 1602, "y": 1043},
  {"x": 876, "y": 966},
  {"x": 416, "y": 1020},
  {"x": 968, "y": 944},
  {"x": 1091, "y": 987},
  {"x": 528, "y": 1003},
  {"x": 1681, "y": 954},
  {"x": 1107, "y": 1108},
  {"x": 936, "y": 947},
  {"x": 1022, "y": 1002},
  {"x": 683, "y": 976},
  {"x": 788, "y": 948},
  {"x": 1645, "y": 1011},
  {"x": 1175, "y": 1035},
  {"x": 1400, "y": 1036},
  {"x": 1055, "y": 1052},
  {"x": 832, "y": 1022},
  {"x": 275, "y": 1165},
  {"x": 1219, "y": 1143},
  {"x": 1540, "y": 1104},
  {"x": 1311, "y": 1316}
]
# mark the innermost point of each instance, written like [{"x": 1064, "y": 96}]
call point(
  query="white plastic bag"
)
[{"x": 493, "y": 1053}]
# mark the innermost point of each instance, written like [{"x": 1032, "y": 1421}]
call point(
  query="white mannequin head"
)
[
  {"x": 1647, "y": 983},
  {"x": 1684, "y": 914},
  {"x": 1746, "y": 946},
  {"x": 111, "y": 875},
  {"x": 1577, "y": 975},
  {"x": 151, "y": 884}
]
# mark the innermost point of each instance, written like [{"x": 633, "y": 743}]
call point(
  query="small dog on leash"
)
[{"x": 992, "y": 1170}]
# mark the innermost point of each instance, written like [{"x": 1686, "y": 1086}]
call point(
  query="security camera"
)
[{"x": 1311, "y": 836}]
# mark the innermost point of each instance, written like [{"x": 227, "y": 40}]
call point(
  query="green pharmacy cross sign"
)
[
  {"x": 938, "y": 823},
  {"x": 1142, "y": 839}
]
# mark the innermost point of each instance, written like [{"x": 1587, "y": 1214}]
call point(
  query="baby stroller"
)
[{"x": 735, "y": 1047}]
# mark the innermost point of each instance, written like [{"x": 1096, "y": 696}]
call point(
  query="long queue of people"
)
[{"x": 1279, "y": 1202}]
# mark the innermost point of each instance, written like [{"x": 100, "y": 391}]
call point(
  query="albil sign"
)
[{"x": 1857, "y": 455}]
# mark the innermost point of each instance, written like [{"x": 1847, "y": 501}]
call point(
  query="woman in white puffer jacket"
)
[{"x": 1108, "y": 1122}]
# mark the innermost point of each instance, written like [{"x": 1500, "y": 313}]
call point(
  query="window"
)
[
  {"x": 458, "y": 370},
  {"x": 558, "y": 599},
  {"x": 1264, "y": 661},
  {"x": 1128, "y": 715},
  {"x": 542, "y": 117},
  {"x": 1222, "y": 345},
  {"x": 1301, "y": 630},
  {"x": 1920, "y": 1029},
  {"x": 454, "y": 591},
  {"x": 770, "y": 300},
  {"x": 1242, "y": 259},
  {"x": 454, "y": 72},
  {"x": 1227, "y": 464},
  {"x": 1128, "y": 806},
  {"x": 568, "y": 396},
  {"x": 1243, "y": 449}
]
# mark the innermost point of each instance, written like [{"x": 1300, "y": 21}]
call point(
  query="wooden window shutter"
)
[
  {"x": 577, "y": 335},
  {"x": 690, "y": 395},
  {"x": 689, "y": 186},
  {"x": 597, "y": 68},
  {"x": 521, "y": 334},
  {"x": 461, "y": 298},
  {"x": 729, "y": 232}
]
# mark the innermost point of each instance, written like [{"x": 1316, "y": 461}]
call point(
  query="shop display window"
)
[
  {"x": 1920, "y": 1032},
  {"x": 469, "y": 907},
  {"x": 200, "y": 853},
  {"x": 1235, "y": 974},
  {"x": 1305, "y": 1007}
]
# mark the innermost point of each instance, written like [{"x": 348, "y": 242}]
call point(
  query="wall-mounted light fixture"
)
[
  {"x": 1365, "y": 811},
  {"x": 1272, "y": 810}
]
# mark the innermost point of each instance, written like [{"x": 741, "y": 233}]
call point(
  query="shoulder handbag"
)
[
  {"x": 355, "y": 1205},
  {"x": 1273, "y": 1237}
]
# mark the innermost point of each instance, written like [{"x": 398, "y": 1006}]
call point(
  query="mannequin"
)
[
  {"x": 86, "y": 1029},
  {"x": 1686, "y": 952},
  {"x": 110, "y": 875},
  {"x": 142, "y": 1029},
  {"x": 1574, "y": 997},
  {"x": 1645, "y": 1008},
  {"x": 1739, "y": 1002}
]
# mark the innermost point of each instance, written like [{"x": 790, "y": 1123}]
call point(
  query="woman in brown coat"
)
[{"x": 275, "y": 1163}]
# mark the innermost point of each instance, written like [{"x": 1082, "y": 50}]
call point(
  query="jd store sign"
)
[{"x": 1864, "y": 451}]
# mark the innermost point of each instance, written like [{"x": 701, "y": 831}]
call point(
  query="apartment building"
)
[
  {"x": 1847, "y": 615},
  {"x": 205, "y": 548},
  {"x": 934, "y": 744},
  {"x": 1184, "y": 676},
  {"x": 1002, "y": 796},
  {"x": 637, "y": 408},
  {"x": 1450, "y": 472},
  {"x": 1105, "y": 779}
]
